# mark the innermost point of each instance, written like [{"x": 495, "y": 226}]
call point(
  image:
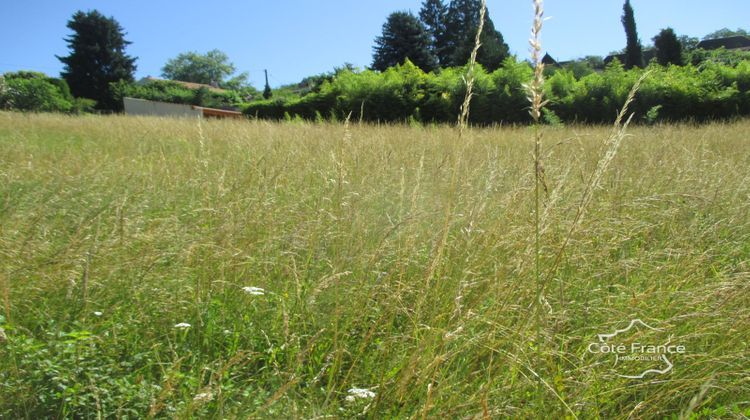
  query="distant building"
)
[
  {"x": 135, "y": 106},
  {"x": 189, "y": 85},
  {"x": 547, "y": 60},
  {"x": 739, "y": 42}
]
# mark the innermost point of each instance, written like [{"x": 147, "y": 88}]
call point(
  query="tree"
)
[
  {"x": 633, "y": 49},
  {"x": 433, "y": 15},
  {"x": 97, "y": 58},
  {"x": 726, "y": 33},
  {"x": 267, "y": 93},
  {"x": 688, "y": 43},
  {"x": 212, "y": 68},
  {"x": 404, "y": 36},
  {"x": 596, "y": 62},
  {"x": 668, "y": 48},
  {"x": 462, "y": 23}
]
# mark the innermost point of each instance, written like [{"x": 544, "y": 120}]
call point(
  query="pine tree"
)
[
  {"x": 462, "y": 23},
  {"x": 433, "y": 15},
  {"x": 633, "y": 49},
  {"x": 97, "y": 58},
  {"x": 668, "y": 48},
  {"x": 404, "y": 36}
]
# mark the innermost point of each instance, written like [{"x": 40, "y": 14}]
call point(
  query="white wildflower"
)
[
  {"x": 203, "y": 397},
  {"x": 182, "y": 325},
  {"x": 363, "y": 393},
  {"x": 255, "y": 291}
]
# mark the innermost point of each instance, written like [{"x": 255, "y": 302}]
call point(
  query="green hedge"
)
[
  {"x": 711, "y": 90},
  {"x": 174, "y": 92}
]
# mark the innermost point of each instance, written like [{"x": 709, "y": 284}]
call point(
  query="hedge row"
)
[{"x": 405, "y": 93}]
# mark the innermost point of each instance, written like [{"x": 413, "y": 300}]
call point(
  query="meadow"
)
[{"x": 232, "y": 269}]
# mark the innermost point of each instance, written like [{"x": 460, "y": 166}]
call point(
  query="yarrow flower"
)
[
  {"x": 182, "y": 325},
  {"x": 203, "y": 397},
  {"x": 363, "y": 393},
  {"x": 255, "y": 291}
]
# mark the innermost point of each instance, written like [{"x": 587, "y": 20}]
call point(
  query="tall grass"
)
[
  {"x": 168, "y": 222},
  {"x": 168, "y": 268}
]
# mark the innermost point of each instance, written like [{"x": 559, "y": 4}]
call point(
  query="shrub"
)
[
  {"x": 715, "y": 89},
  {"x": 35, "y": 92}
]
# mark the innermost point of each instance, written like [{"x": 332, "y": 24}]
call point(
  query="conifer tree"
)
[
  {"x": 404, "y": 36},
  {"x": 633, "y": 49},
  {"x": 668, "y": 48},
  {"x": 433, "y": 15},
  {"x": 462, "y": 23},
  {"x": 97, "y": 58}
]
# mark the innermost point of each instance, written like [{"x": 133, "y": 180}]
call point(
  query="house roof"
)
[
  {"x": 730, "y": 43},
  {"x": 189, "y": 85},
  {"x": 548, "y": 60}
]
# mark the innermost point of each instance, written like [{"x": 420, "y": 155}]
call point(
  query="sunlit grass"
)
[{"x": 233, "y": 268}]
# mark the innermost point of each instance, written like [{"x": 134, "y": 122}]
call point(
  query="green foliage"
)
[
  {"x": 433, "y": 15},
  {"x": 36, "y": 92},
  {"x": 668, "y": 48},
  {"x": 688, "y": 43},
  {"x": 633, "y": 49},
  {"x": 212, "y": 68},
  {"x": 712, "y": 90},
  {"x": 404, "y": 38},
  {"x": 173, "y": 92},
  {"x": 653, "y": 114},
  {"x": 97, "y": 58},
  {"x": 462, "y": 23},
  {"x": 723, "y": 56},
  {"x": 726, "y": 33}
]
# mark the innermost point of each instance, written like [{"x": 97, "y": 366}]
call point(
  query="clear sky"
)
[{"x": 298, "y": 38}]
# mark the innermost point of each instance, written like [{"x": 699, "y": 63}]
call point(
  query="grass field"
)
[{"x": 393, "y": 259}]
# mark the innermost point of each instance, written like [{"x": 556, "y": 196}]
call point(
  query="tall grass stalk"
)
[
  {"x": 611, "y": 145},
  {"x": 535, "y": 91},
  {"x": 463, "y": 116}
]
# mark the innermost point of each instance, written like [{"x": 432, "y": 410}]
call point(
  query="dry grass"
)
[{"x": 389, "y": 264}]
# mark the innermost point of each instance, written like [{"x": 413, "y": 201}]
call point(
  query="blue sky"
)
[{"x": 297, "y": 38}]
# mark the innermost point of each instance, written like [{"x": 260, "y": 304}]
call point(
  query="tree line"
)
[
  {"x": 405, "y": 93},
  {"x": 442, "y": 36},
  {"x": 437, "y": 41}
]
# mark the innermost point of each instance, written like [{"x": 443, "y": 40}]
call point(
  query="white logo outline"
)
[{"x": 603, "y": 337}]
